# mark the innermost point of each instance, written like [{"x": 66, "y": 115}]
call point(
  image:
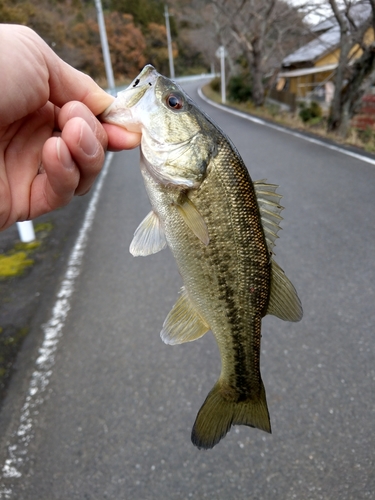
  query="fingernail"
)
[
  {"x": 78, "y": 110},
  {"x": 63, "y": 155},
  {"x": 88, "y": 142}
]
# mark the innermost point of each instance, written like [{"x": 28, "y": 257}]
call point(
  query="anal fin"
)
[
  {"x": 284, "y": 301},
  {"x": 183, "y": 323}
]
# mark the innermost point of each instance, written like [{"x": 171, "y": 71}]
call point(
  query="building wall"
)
[
  {"x": 302, "y": 85},
  {"x": 331, "y": 58}
]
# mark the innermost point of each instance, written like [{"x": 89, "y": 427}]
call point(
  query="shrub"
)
[
  {"x": 240, "y": 88},
  {"x": 216, "y": 84},
  {"x": 312, "y": 112},
  {"x": 366, "y": 135}
]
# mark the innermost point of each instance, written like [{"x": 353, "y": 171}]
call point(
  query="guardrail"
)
[
  {"x": 178, "y": 79},
  {"x": 202, "y": 76}
]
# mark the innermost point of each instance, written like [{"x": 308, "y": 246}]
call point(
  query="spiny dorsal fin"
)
[
  {"x": 284, "y": 301},
  {"x": 269, "y": 207},
  {"x": 193, "y": 219},
  {"x": 183, "y": 323},
  {"x": 149, "y": 236}
]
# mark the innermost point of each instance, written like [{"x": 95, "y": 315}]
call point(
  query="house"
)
[{"x": 309, "y": 71}]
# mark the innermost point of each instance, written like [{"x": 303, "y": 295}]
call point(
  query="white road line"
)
[
  {"x": 53, "y": 330},
  {"x": 313, "y": 140}
]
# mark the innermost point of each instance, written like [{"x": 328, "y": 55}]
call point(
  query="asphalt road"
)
[{"x": 109, "y": 413}]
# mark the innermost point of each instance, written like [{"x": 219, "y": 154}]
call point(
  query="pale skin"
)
[{"x": 52, "y": 146}]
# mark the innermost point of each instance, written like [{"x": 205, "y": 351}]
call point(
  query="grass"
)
[
  {"x": 15, "y": 262},
  {"x": 43, "y": 227},
  {"x": 16, "y": 312},
  {"x": 10, "y": 342}
]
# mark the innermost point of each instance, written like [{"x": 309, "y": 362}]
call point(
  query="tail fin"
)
[{"x": 218, "y": 414}]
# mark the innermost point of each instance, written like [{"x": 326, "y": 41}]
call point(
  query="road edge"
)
[
  {"x": 354, "y": 153},
  {"x": 17, "y": 445}
]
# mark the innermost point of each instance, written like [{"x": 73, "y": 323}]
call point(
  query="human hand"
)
[{"x": 52, "y": 146}]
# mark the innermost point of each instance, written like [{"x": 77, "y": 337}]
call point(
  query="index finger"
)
[{"x": 120, "y": 138}]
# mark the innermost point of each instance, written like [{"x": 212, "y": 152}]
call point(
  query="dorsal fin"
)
[{"x": 269, "y": 207}]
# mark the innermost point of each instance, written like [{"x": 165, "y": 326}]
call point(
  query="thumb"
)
[
  {"x": 65, "y": 82},
  {"x": 68, "y": 84}
]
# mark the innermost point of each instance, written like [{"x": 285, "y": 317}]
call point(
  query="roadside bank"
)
[
  {"x": 361, "y": 140},
  {"x": 29, "y": 275}
]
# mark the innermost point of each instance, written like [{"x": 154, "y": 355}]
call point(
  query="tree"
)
[
  {"x": 143, "y": 11},
  {"x": 202, "y": 28},
  {"x": 156, "y": 47},
  {"x": 15, "y": 13},
  {"x": 260, "y": 28},
  {"x": 127, "y": 44},
  {"x": 354, "y": 74}
]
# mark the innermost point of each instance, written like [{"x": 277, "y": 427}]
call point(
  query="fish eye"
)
[{"x": 175, "y": 101}]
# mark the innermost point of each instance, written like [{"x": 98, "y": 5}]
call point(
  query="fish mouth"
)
[
  {"x": 120, "y": 111},
  {"x": 147, "y": 76}
]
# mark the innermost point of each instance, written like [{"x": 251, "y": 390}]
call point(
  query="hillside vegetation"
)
[{"x": 135, "y": 29}]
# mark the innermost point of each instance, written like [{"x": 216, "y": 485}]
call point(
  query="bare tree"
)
[
  {"x": 201, "y": 23},
  {"x": 353, "y": 74},
  {"x": 259, "y": 27},
  {"x": 260, "y": 32}
]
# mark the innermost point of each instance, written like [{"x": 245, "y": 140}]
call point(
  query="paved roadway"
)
[{"x": 115, "y": 406}]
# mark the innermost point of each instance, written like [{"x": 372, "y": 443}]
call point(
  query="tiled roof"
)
[{"x": 316, "y": 48}]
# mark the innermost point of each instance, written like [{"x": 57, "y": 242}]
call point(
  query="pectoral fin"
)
[
  {"x": 183, "y": 323},
  {"x": 193, "y": 219},
  {"x": 284, "y": 302},
  {"x": 149, "y": 237}
]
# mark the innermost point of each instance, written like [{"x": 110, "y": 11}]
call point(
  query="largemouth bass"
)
[{"x": 221, "y": 228}]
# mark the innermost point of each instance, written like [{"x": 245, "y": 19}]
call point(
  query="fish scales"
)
[
  {"x": 227, "y": 280},
  {"x": 221, "y": 228}
]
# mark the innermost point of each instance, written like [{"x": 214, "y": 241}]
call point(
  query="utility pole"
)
[
  {"x": 221, "y": 53},
  {"x": 105, "y": 48},
  {"x": 223, "y": 84},
  {"x": 169, "y": 41}
]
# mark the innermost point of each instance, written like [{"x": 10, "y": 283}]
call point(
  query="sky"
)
[{"x": 319, "y": 9}]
